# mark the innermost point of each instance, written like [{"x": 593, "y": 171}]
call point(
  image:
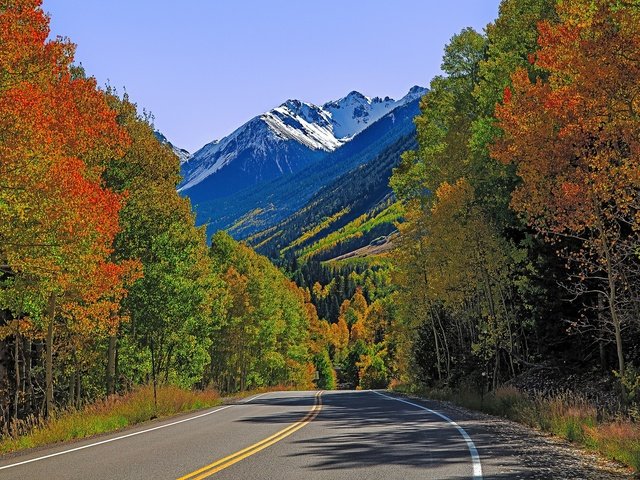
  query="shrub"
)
[{"x": 326, "y": 374}]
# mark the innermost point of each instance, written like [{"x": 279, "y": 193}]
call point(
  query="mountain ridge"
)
[
  {"x": 285, "y": 140},
  {"x": 181, "y": 153},
  {"x": 258, "y": 207}
]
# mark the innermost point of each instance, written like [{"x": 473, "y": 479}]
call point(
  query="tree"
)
[
  {"x": 463, "y": 266},
  {"x": 574, "y": 140},
  {"x": 57, "y": 219},
  {"x": 326, "y": 373},
  {"x": 444, "y": 126},
  {"x": 174, "y": 306},
  {"x": 339, "y": 339},
  {"x": 263, "y": 338}
]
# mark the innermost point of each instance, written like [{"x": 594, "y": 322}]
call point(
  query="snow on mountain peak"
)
[
  {"x": 325, "y": 127},
  {"x": 353, "y": 113},
  {"x": 304, "y": 123},
  {"x": 181, "y": 153}
]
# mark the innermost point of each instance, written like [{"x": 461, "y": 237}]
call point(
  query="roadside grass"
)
[
  {"x": 112, "y": 414},
  {"x": 563, "y": 415},
  {"x": 108, "y": 415}
]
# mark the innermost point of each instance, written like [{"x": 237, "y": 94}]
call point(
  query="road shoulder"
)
[{"x": 511, "y": 450}]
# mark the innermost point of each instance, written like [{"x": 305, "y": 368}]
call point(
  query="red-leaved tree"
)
[{"x": 575, "y": 138}]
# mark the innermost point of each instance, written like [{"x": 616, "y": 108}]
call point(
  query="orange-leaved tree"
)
[
  {"x": 575, "y": 139},
  {"x": 57, "y": 221}
]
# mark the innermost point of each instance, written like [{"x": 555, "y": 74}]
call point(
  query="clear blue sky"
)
[{"x": 204, "y": 67}]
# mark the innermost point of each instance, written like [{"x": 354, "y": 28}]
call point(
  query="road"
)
[{"x": 284, "y": 436}]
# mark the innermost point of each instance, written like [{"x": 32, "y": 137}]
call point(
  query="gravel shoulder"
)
[{"x": 510, "y": 450}]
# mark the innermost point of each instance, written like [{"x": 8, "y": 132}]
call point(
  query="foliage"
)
[
  {"x": 263, "y": 339},
  {"x": 574, "y": 140},
  {"x": 58, "y": 219},
  {"x": 326, "y": 373},
  {"x": 173, "y": 305},
  {"x": 526, "y": 179}
]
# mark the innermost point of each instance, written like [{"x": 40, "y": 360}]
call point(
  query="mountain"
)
[
  {"x": 181, "y": 153},
  {"x": 355, "y": 112},
  {"x": 354, "y": 211},
  {"x": 282, "y": 141},
  {"x": 247, "y": 211}
]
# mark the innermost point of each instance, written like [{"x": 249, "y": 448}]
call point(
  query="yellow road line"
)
[{"x": 229, "y": 460}]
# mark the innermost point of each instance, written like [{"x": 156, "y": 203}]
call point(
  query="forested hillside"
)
[
  {"x": 361, "y": 193},
  {"x": 106, "y": 282}
]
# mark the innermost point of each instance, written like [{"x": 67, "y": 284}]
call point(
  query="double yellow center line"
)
[{"x": 227, "y": 461}]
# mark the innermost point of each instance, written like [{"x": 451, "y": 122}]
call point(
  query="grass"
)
[
  {"x": 111, "y": 414},
  {"x": 564, "y": 415},
  {"x": 312, "y": 232}
]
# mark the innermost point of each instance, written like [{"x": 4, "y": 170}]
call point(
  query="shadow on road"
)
[{"x": 360, "y": 429}]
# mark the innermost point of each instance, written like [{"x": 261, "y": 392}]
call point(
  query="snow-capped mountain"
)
[
  {"x": 181, "y": 153},
  {"x": 355, "y": 112},
  {"x": 222, "y": 205},
  {"x": 284, "y": 140}
]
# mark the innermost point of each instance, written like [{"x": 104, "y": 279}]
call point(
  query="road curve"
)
[{"x": 280, "y": 435}]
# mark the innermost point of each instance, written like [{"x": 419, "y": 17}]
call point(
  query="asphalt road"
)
[{"x": 282, "y": 436}]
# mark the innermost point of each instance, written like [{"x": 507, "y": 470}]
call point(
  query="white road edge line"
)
[
  {"x": 473, "y": 451},
  {"x": 251, "y": 399},
  {"x": 63, "y": 452}
]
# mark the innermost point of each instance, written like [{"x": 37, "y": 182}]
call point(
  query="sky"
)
[{"x": 205, "y": 67}]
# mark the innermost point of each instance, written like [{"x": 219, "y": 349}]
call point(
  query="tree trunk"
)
[
  {"x": 72, "y": 388},
  {"x": 153, "y": 375},
  {"x": 116, "y": 369},
  {"x": 26, "y": 355},
  {"x": 601, "y": 344},
  {"x": 615, "y": 319},
  {"x": 447, "y": 353},
  {"x": 613, "y": 291},
  {"x": 16, "y": 359},
  {"x": 436, "y": 346},
  {"x": 51, "y": 310},
  {"x": 78, "y": 388},
  {"x": 618, "y": 333},
  {"x": 167, "y": 365},
  {"x": 111, "y": 366}
]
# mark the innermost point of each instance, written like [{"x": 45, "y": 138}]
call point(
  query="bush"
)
[
  {"x": 373, "y": 373},
  {"x": 326, "y": 374}
]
